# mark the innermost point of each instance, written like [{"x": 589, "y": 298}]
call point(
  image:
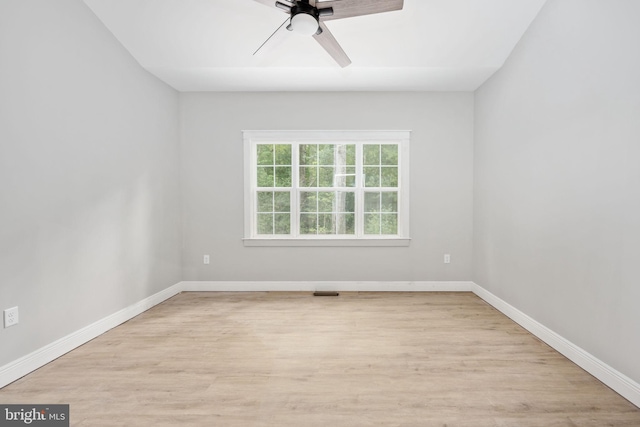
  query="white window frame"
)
[{"x": 253, "y": 137}]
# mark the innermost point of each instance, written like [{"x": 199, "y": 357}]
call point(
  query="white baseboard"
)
[
  {"x": 32, "y": 361},
  {"x": 345, "y": 286},
  {"x": 616, "y": 380},
  {"x": 619, "y": 382}
]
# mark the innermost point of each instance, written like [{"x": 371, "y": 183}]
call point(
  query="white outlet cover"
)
[{"x": 11, "y": 317}]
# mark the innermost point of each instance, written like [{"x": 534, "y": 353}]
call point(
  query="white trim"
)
[
  {"x": 333, "y": 242},
  {"x": 304, "y": 286},
  {"x": 310, "y": 286},
  {"x": 620, "y": 383},
  {"x": 248, "y": 158},
  {"x": 253, "y": 137},
  {"x": 18, "y": 368},
  {"x": 405, "y": 185},
  {"x": 319, "y": 135}
]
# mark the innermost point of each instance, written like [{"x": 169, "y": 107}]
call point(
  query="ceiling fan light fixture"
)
[{"x": 304, "y": 23}]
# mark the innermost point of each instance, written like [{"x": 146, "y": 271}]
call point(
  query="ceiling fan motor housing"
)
[
  {"x": 305, "y": 19},
  {"x": 304, "y": 23}
]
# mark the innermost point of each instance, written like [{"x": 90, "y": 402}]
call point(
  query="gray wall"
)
[
  {"x": 441, "y": 184},
  {"x": 89, "y": 221},
  {"x": 557, "y": 177}
]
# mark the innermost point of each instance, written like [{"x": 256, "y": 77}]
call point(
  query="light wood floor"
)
[{"x": 291, "y": 359}]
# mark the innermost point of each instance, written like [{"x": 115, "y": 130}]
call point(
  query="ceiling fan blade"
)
[
  {"x": 331, "y": 45},
  {"x": 350, "y": 8},
  {"x": 272, "y": 3},
  {"x": 273, "y": 34}
]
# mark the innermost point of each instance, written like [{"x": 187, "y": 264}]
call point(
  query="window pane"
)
[
  {"x": 308, "y": 176},
  {"x": 345, "y": 202},
  {"x": 389, "y": 154},
  {"x": 372, "y": 202},
  {"x": 326, "y": 154},
  {"x": 389, "y": 224},
  {"x": 340, "y": 178},
  {"x": 325, "y": 224},
  {"x": 389, "y": 201},
  {"x": 283, "y": 154},
  {"x": 325, "y": 201},
  {"x": 265, "y": 154},
  {"x": 265, "y": 201},
  {"x": 308, "y": 201},
  {"x": 265, "y": 223},
  {"x": 308, "y": 223},
  {"x": 326, "y": 177},
  {"x": 283, "y": 176},
  {"x": 282, "y": 202},
  {"x": 371, "y": 154},
  {"x": 265, "y": 176},
  {"x": 389, "y": 177},
  {"x": 345, "y": 176},
  {"x": 372, "y": 177},
  {"x": 308, "y": 154},
  {"x": 350, "y": 155},
  {"x": 350, "y": 180},
  {"x": 345, "y": 224},
  {"x": 372, "y": 223},
  {"x": 282, "y": 224}
]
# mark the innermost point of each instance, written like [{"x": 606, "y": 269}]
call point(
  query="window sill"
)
[{"x": 389, "y": 242}]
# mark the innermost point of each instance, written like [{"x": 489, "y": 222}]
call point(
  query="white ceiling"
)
[{"x": 208, "y": 45}]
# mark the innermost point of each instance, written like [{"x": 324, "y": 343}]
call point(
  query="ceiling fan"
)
[{"x": 307, "y": 18}]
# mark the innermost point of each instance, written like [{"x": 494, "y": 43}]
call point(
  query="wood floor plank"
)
[{"x": 291, "y": 359}]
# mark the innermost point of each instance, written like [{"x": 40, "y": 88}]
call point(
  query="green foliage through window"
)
[
  {"x": 274, "y": 212},
  {"x": 273, "y": 165},
  {"x": 329, "y": 196},
  {"x": 381, "y": 212},
  {"x": 327, "y": 212}
]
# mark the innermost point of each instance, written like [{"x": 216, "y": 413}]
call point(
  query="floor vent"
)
[{"x": 325, "y": 294}]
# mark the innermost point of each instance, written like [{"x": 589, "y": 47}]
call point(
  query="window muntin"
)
[
  {"x": 327, "y": 212},
  {"x": 273, "y": 212},
  {"x": 273, "y": 173},
  {"x": 273, "y": 165},
  {"x": 327, "y": 165},
  {"x": 380, "y": 165},
  {"x": 321, "y": 185},
  {"x": 381, "y": 212}
]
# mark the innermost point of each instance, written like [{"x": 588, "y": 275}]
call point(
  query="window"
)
[{"x": 326, "y": 188}]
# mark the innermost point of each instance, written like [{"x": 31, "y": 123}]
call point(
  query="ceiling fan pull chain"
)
[{"x": 269, "y": 38}]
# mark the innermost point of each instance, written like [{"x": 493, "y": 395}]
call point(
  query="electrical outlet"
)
[
  {"x": 10, "y": 317},
  {"x": 207, "y": 259},
  {"x": 447, "y": 258}
]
